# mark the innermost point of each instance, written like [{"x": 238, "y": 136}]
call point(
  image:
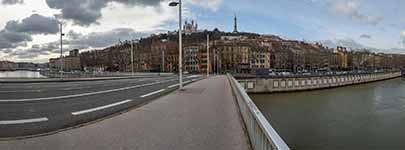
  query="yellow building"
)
[{"x": 343, "y": 57}]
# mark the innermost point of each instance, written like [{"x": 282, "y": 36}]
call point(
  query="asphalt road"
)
[{"x": 28, "y": 109}]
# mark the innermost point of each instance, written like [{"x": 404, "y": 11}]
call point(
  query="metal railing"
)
[{"x": 261, "y": 134}]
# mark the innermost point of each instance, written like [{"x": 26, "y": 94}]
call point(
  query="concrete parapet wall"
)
[{"x": 288, "y": 84}]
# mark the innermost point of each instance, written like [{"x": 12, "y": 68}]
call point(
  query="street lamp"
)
[
  {"x": 163, "y": 61},
  {"x": 208, "y": 55},
  {"x": 61, "y": 51},
  {"x": 132, "y": 58},
  {"x": 174, "y": 4}
]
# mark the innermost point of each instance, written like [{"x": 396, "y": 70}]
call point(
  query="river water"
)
[
  {"x": 20, "y": 74},
  {"x": 366, "y": 116}
]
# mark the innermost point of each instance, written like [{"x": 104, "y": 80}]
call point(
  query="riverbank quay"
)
[{"x": 302, "y": 83}]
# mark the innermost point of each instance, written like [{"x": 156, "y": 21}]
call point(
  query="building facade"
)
[
  {"x": 69, "y": 63},
  {"x": 8, "y": 66}
]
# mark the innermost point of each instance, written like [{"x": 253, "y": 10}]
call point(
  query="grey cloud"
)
[
  {"x": 35, "y": 24},
  {"x": 34, "y": 51},
  {"x": 87, "y": 12},
  {"x": 76, "y": 40},
  {"x": 35, "y": 46},
  {"x": 27, "y": 53},
  {"x": 365, "y": 36},
  {"x": 12, "y": 2},
  {"x": 140, "y": 2},
  {"x": 30, "y": 53},
  {"x": 350, "y": 8},
  {"x": 349, "y": 43},
  {"x": 396, "y": 50},
  {"x": 7, "y": 51},
  {"x": 18, "y": 33},
  {"x": 103, "y": 39},
  {"x": 73, "y": 35},
  {"x": 13, "y": 39},
  {"x": 366, "y": 19}
]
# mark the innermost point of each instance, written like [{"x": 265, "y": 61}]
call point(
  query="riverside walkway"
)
[{"x": 203, "y": 117}]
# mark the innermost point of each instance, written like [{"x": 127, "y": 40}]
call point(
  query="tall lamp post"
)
[
  {"x": 61, "y": 51},
  {"x": 208, "y": 55},
  {"x": 163, "y": 61},
  {"x": 174, "y": 4},
  {"x": 132, "y": 57}
]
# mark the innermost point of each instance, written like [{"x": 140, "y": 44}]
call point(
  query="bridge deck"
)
[{"x": 204, "y": 116}]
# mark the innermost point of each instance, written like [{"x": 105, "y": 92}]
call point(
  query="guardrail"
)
[{"x": 261, "y": 134}]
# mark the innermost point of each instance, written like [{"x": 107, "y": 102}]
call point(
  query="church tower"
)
[{"x": 235, "y": 24}]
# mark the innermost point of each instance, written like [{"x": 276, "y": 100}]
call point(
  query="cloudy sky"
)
[{"x": 29, "y": 28}]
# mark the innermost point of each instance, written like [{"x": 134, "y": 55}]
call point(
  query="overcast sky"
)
[{"x": 29, "y": 28}]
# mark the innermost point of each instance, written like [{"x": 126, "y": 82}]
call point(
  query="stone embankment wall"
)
[{"x": 289, "y": 84}]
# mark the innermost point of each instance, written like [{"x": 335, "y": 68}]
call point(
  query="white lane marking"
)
[
  {"x": 77, "y": 88},
  {"x": 152, "y": 93},
  {"x": 21, "y": 91},
  {"x": 6, "y": 122},
  {"x": 99, "y": 108},
  {"x": 172, "y": 86},
  {"x": 85, "y": 94},
  {"x": 194, "y": 76}
]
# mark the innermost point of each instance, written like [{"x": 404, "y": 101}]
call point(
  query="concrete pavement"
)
[{"x": 203, "y": 117}]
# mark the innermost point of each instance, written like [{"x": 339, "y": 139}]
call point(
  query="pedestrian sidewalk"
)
[{"x": 203, "y": 117}]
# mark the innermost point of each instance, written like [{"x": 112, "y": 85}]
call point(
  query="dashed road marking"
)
[
  {"x": 152, "y": 93},
  {"x": 172, "y": 86},
  {"x": 99, "y": 108},
  {"x": 23, "y": 121}
]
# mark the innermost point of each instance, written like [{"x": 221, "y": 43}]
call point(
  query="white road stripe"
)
[
  {"x": 194, "y": 76},
  {"x": 6, "y": 122},
  {"x": 99, "y": 108},
  {"x": 85, "y": 94},
  {"x": 172, "y": 86},
  {"x": 152, "y": 93}
]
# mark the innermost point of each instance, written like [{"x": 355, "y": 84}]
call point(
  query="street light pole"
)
[
  {"x": 61, "y": 51},
  {"x": 173, "y": 4},
  {"x": 180, "y": 48},
  {"x": 214, "y": 67},
  {"x": 208, "y": 55},
  {"x": 132, "y": 57},
  {"x": 163, "y": 60}
]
